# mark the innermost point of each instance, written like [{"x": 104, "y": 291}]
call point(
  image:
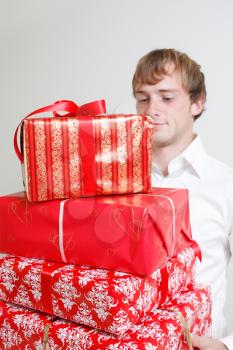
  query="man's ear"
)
[{"x": 197, "y": 106}]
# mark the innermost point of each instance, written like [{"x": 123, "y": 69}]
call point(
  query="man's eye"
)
[
  {"x": 167, "y": 99},
  {"x": 143, "y": 100}
]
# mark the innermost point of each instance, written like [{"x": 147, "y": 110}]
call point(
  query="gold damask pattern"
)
[
  {"x": 106, "y": 155},
  {"x": 137, "y": 130},
  {"x": 40, "y": 155},
  {"x": 150, "y": 133},
  {"x": 133, "y": 148},
  {"x": 57, "y": 161},
  {"x": 122, "y": 155},
  {"x": 74, "y": 154},
  {"x": 26, "y": 168}
]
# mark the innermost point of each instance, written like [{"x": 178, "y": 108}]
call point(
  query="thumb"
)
[{"x": 199, "y": 342}]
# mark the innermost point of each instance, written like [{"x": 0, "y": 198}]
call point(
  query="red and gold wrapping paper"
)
[
  {"x": 69, "y": 157},
  {"x": 103, "y": 299},
  {"x": 21, "y": 328},
  {"x": 160, "y": 330},
  {"x": 130, "y": 233}
]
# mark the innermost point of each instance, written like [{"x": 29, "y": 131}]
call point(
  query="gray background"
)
[{"x": 86, "y": 50}]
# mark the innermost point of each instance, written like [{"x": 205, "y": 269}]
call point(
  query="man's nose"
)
[{"x": 153, "y": 109}]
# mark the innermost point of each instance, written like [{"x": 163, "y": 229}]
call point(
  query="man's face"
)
[{"x": 171, "y": 108}]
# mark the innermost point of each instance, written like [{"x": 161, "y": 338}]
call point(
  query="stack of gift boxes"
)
[{"x": 95, "y": 259}]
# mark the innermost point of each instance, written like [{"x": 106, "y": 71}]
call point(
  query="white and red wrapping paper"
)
[
  {"x": 160, "y": 329},
  {"x": 22, "y": 329},
  {"x": 131, "y": 233},
  {"x": 103, "y": 299}
]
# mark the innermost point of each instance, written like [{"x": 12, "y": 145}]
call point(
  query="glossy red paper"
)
[{"x": 130, "y": 233}]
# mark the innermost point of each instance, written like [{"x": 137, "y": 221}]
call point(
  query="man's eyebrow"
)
[
  {"x": 140, "y": 92},
  {"x": 160, "y": 90},
  {"x": 168, "y": 90}
]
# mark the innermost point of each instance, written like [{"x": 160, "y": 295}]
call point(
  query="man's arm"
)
[
  {"x": 226, "y": 343},
  {"x": 228, "y": 340}
]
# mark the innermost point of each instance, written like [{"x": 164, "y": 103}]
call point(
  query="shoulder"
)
[
  {"x": 219, "y": 173},
  {"x": 216, "y": 165}
]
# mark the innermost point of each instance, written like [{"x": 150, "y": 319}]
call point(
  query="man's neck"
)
[{"x": 162, "y": 156}]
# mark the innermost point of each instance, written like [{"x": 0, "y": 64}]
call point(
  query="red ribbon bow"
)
[{"x": 72, "y": 109}]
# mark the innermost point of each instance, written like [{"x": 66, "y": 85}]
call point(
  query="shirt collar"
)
[{"x": 193, "y": 156}]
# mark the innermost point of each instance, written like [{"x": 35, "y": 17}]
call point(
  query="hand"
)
[{"x": 205, "y": 343}]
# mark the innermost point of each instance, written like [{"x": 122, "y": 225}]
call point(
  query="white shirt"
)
[{"x": 210, "y": 185}]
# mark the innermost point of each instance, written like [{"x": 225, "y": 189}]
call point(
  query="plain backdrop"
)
[{"x": 86, "y": 50}]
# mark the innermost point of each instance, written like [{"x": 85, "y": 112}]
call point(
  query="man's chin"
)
[{"x": 161, "y": 141}]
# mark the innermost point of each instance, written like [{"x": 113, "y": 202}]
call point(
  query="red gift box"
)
[
  {"x": 85, "y": 155},
  {"x": 22, "y": 329},
  {"x": 161, "y": 329},
  {"x": 131, "y": 233},
  {"x": 94, "y": 297}
]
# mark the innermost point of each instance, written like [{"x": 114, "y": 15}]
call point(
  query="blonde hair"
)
[{"x": 153, "y": 66}]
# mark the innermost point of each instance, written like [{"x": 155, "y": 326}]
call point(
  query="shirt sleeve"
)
[
  {"x": 230, "y": 218},
  {"x": 230, "y": 214},
  {"x": 228, "y": 341},
  {"x": 231, "y": 234}
]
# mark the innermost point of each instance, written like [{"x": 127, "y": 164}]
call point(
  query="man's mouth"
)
[{"x": 160, "y": 123}]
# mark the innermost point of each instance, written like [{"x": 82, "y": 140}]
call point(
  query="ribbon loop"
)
[
  {"x": 91, "y": 108},
  {"x": 74, "y": 111}
]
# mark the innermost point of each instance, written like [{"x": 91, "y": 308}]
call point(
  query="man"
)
[{"x": 170, "y": 87}]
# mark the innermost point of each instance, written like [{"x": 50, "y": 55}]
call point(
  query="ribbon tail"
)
[{"x": 197, "y": 251}]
